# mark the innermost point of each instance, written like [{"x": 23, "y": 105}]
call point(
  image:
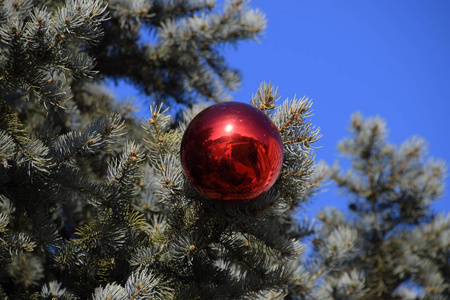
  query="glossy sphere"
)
[{"x": 232, "y": 152}]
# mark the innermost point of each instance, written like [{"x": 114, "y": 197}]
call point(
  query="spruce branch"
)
[
  {"x": 54, "y": 291},
  {"x": 69, "y": 182},
  {"x": 140, "y": 285},
  {"x": 111, "y": 291},
  {"x": 37, "y": 49},
  {"x": 105, "y": 234},
  {"x": 67, "y": 256},
  {"x": 171, "y": 180},
  {"x": 124, "y": 170},
  {"x": 17, "y": 243},
  {"x": 146, "y": 256},
  {"x": 4, "y": 220},
  {"x": 11, "y": 125},
  {"x": 30, "y": 153},
  {"x": 7, "y": 149},
  {"x": 160, "y": 139},
  {"x": 27, "y": 270},
  {"x": 265, "y": 98},
  {"x": 81, "y": 19},
  {"x": 96, "y": 137},
  {"x": 179, "y": 8},
  {"x": 391, "y": 189},
  {"x": 183, "y": 63}
]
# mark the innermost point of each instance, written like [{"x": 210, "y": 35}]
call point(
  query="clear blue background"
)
[{"x": 386, "y": 58}]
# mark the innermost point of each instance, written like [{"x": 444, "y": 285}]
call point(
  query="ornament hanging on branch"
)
[{"x": 231, "y": 152}]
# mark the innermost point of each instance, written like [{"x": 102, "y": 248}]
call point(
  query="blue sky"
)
[
  {"x": 379, "y": 57},
  {"x": 386, "y": 58}
]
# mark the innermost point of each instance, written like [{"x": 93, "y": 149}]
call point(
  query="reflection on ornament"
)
[
  {"x": 231, "y": 151},
  {"x": 228, "y": 128}
]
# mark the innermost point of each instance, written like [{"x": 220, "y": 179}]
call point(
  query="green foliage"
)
[
  {"x": 37, "y": 51},
  {"x": 215, "y": 250},
  {"x": 392, "y": 246},
  {"x": 180, "y": 60},
  {"x": 94, "y": 204},
  {"x": 88, "y": 212}
]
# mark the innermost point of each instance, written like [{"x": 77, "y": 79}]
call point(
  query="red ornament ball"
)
[{"x": 231, "y": 152}]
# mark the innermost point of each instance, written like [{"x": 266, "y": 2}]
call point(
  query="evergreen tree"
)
[
  {"x": 390, "y": 245},
  {"x": 93, "y": 203}
]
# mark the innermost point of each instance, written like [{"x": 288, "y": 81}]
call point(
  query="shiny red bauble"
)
[{"x": 231, "y": 152}]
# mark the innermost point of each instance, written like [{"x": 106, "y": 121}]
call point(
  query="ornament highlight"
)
[{"x": 231, "y": 152}]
